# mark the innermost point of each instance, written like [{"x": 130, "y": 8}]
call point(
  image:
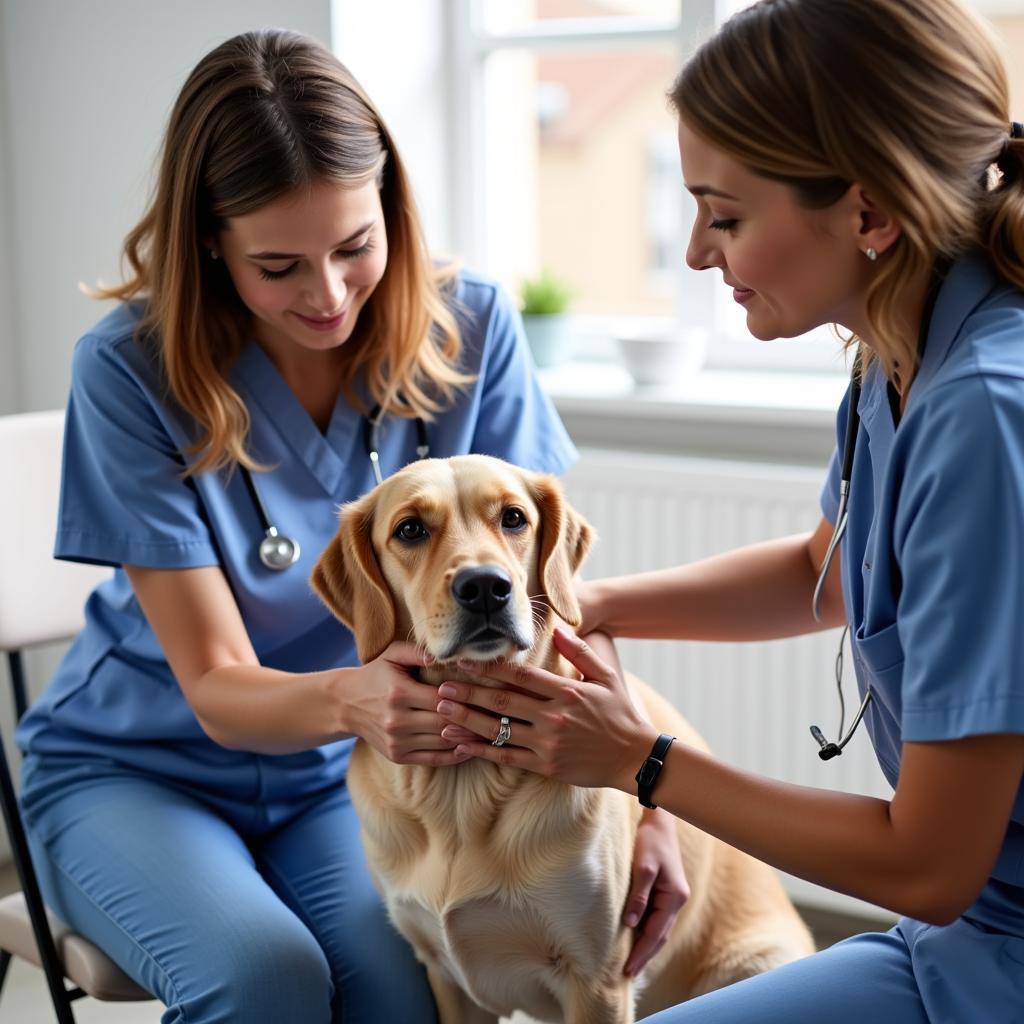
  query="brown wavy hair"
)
[
  {"x": 262, "y": 114},
  {"x": 908, "y": 98}
]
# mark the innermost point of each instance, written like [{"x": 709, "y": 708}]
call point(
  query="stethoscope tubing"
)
[
  {"x": 828, "y": 749},
  {"x": 845, "y": 475}
]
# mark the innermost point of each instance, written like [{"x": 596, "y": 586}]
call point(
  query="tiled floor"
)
[{"x": 25, "y": 999}]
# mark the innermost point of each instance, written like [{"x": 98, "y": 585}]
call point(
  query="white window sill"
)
[{"x": 764, "y": 416}]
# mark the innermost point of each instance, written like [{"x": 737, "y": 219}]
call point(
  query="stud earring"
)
[
  {"x": 872, "y": 254},
  {"x": 214, "y": 255}
]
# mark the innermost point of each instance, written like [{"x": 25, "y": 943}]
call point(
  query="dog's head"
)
[{"x": 465, "y": 556}]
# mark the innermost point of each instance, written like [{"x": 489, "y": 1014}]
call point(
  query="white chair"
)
[{"x": 41, "y": 601}]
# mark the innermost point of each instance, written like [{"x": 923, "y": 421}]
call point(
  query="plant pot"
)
[{"x": 548, "y": 336}]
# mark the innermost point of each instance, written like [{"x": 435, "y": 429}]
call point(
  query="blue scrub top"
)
[
  {"x": 123, "y": 501},
  {"x": 933, "y": 556}
]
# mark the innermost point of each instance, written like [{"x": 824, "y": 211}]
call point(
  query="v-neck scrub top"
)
[{"x": 124, "y": 501}]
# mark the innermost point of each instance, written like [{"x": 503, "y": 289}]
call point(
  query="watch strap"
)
[{"x": 649, "y": 771}]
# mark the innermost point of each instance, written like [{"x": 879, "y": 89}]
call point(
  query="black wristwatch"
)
[{"x": 650, "y": 769}]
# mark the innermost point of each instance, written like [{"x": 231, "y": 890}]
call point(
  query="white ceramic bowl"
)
[{"x": 658, "y": 355}]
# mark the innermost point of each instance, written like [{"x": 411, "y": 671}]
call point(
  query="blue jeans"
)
[{"x": 223, "y": 912}]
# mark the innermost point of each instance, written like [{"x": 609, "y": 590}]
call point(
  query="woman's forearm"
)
[
  {"x": 249, "y": 707},
  {"x": 760, "y": 592},
  {"x": 837, "y": 840},
  {"x": 849, "y": 843}
]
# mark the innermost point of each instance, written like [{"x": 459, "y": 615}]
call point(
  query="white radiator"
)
[{"x": 753, "y": 702}]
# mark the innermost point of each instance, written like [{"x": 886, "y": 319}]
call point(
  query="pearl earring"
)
[
  {"x": 872, "y": 254},
  {"x": 214, "y": 255}
]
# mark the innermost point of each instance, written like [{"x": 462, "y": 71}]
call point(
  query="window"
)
[
  {"x": 566, "y": 154},
  {"x": 565, "y": 160}
]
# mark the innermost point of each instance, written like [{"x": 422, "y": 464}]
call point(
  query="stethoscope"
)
[
  {"x": 278, "y": 551},
  {"x": 828, "y": 749}
]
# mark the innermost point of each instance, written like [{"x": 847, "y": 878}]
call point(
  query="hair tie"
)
[{"x": 1016, "y": 131}]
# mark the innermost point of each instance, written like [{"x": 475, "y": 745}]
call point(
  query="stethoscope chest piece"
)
[{"x": 278, "y": 552}]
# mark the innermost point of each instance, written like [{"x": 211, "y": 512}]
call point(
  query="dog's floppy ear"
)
[
  {"x": 349, "y": 580},
  {"x": 565, "y": 539}
]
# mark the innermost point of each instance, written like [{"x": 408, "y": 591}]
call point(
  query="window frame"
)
[{"x": 470, "y": 43}]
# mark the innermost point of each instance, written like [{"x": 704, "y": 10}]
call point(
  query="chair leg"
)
[
  {"x": 18, "y": 688},
  {"x": 33, "y": 898},
  {"x": 62, "y": 1005}
]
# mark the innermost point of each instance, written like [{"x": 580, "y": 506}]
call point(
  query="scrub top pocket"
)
[{"x": 878, "y": 661}]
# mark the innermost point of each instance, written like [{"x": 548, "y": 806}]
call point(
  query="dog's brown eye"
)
[
  {"x": 513, "y": 519},
  {"x": 410, "y": 530}
]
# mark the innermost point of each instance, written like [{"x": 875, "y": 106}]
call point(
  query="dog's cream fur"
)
[{"x": 510, "y": 886}]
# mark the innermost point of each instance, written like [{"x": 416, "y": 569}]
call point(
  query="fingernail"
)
[
  {"x": 447, "y": 690},
  {"x": 631, "y": 919},
  {"x": 460, "y": 749},
  {"x": 445, "y": 707}
]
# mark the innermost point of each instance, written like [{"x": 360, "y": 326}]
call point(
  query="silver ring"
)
[{"x": 504, "y": 733}]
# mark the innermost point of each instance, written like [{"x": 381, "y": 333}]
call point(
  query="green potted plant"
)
[{"x": 543, "y": 302}]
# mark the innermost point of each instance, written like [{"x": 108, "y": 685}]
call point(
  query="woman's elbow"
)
[
  {"x": 940, "y": 913},
  {"x": 222, "y": 737},
  {"x": 939, "y": 899}
]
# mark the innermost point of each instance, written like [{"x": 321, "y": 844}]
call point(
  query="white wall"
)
[
  {"x": 86, "y": 89},
  {"x": 10, "y": 356}
]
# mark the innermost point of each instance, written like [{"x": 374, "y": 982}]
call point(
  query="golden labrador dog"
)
[{"x": 511, "y": 886}]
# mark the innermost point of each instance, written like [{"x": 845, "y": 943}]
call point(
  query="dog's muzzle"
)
[{"x": 484, "y": 595}]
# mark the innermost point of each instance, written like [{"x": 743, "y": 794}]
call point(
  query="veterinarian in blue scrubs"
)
[
  {"x": 184, "y": 778},
  {"x": 854, "y": 163}
]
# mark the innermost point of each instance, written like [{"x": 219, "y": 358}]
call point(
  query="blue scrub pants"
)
[
  {"x": 967, "y": 972},
  {"x": 864, "y": 979},
  {"x": 223, "y": 915}
]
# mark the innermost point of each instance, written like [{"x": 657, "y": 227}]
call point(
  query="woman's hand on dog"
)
[
  {"x": 586, "y": 732},
  {"x": 658, "y": 887},
  {"x": 395, "y": 713}
]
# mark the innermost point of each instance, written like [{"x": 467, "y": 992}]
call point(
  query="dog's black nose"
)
[{"x": 482, "y": 589}]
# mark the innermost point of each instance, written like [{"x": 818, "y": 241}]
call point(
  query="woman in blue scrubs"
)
[
  {"x": 853, "y": 162},
  {"x": 184, "y": 773}
]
